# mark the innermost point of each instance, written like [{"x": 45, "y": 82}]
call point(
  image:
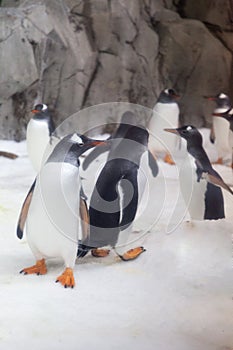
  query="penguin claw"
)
[
  {"x": 66, "y": 278},
  {"x": 39, "y": 268},
  {"x": 132, "y": 253}
]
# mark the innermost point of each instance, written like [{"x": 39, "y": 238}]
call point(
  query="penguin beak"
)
[
  {"x": 34, "y": 111},
  {"x": 177, "y": 97},
  {"x": 210, "y": 98},
  {"x": 94, "y": 143},
  {"x": 173, "y": 131}
]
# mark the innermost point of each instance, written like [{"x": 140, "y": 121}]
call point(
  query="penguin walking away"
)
[
  {"x": 51, "y": 208},
  {"x": 200, "y": 183},
  {"x": 222, "y": 128},
  {"x": 114, "y": 201},
  {"x": 39, "y": 135},
  {"x": 165, "y": 115}
]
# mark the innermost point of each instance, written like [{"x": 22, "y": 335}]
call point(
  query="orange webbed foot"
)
[
  {"x": 168, "y": 159},
  {"x": 100, "y": 253},
  {"x": 132, "y": 254},
  {"x": 67, "y": 278},
  {"x": 39, "y": 269}
]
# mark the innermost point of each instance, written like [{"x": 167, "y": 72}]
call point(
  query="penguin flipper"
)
[
  {"x": 24, "y": 212},
  {"x": 212, "y": 135},
  {"x": 217, "y": 181},
  {"x": 85, "y": 219},
  {"x": 153, "y": 164},
  {"x": 94, "y": 154}
]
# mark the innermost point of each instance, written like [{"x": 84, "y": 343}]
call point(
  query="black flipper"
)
[
  {"x": 24, "y": 212},
  {"x": 153, "y": 164}
]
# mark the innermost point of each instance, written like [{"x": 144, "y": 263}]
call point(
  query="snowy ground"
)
[{"x": 175, "y": 296}]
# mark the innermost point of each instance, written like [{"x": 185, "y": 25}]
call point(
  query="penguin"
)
[
  {"x": 201, "y": 185},
  {"x": 222, "y": 128},
  {"x": 39, "y": 135},
  {"x": 165, "y": 115},
  {"x": 114, "y": 200},
  {"x": 51, "y": 208}
]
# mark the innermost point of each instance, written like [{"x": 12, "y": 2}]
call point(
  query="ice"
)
[{"x": 175, "y": 296}]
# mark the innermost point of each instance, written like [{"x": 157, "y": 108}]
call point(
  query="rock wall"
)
[{"x": 71, "y": 54}]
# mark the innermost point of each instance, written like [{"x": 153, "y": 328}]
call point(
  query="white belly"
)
[
  {"x": 193, "y": 192},
  {"x": 37, "y": 141},
  {"x": 53, "y": 217},
  {"x": 164, "y": 116},
  {"x": 222, "y": 135}
]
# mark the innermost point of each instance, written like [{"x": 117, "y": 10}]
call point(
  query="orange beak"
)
[
  {"x": 34, "y": 111},
  {"x": 173, "y": 131}
]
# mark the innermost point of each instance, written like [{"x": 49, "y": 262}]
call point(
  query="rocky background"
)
[{"x": 71, "y": 54}]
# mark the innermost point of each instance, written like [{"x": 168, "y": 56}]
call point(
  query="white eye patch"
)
[
  {"x": 77, "y": 139},
  {"x": 222, "y": 95},
  {"x": 44, "y": 107},
  {"x": 189, "y": 128},
  {"x": 166, "y": 91}
]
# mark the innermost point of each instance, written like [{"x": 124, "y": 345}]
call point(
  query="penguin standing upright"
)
[
  {"x": 114, "y": 200},
  {"x": 51, "y": 208},
  {"x": 165, "y": 115},
  {"x": 38, "y": 135},
  {"x": 222, "y": 129},
  {"x": 200, "y": 183}
]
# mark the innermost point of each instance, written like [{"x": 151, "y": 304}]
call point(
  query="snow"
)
[{"x": 175, "y": 296}]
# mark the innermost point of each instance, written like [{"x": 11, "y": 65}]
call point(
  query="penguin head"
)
[
  {"x": 168, "y": 96},
  {"x": 188, "y": 132},
  {"x": 41, "y": 107},
  {"x": 223, "y": 103},
  {"x": 81, "y": 143}
]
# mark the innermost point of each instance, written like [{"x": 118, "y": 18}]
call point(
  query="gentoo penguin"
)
[
  {"x": 51, "y": 208},
  {"x": 165, "y": 115},
  {"x": 114, "y": 201},
  {"x": 39, "y": 135},
  {"x": 222, "y": 129},
  {"x": 200, "y": 183}
]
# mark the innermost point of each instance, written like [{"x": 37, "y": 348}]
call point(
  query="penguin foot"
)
[
  {"x": 132, "y": 254},
  {"x": 100, "y": 253},
  {"x": 168, "y": 159},
  {"x": 39, "y": 269},
  {"x": 67, "y": 278}
]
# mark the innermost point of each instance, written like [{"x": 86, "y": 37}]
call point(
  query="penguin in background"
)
[
  {"x": 114, "y": 201},
  {"x": 222, "y": 128},
  {"x": 165, "y": 115},
  {"x": 52, "y": 206},
  {"x": 201, "y": 185},
  {"x": 39, "y": 135}
]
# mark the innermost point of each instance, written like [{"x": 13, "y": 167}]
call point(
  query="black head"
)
[
  {"x": 71, "y": 147},
  {"x": 189, "y": 133},
  {"x": 41, "y": 107},
  {"x": 168, "y": 96}
]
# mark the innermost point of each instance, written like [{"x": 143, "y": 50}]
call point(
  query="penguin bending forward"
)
[
  {"x": 200, "y": 187},
  {"x": 165, "y": 115},
  {"x": 39, "y": 134},
  {"x": 114, "y": 201},
  {"x": 51, "y": 208}
]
